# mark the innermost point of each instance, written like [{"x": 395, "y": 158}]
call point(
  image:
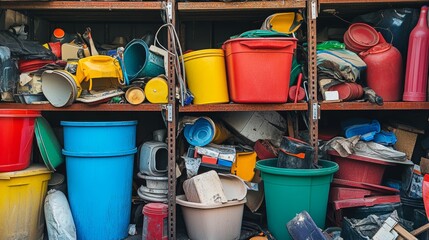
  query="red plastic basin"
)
[
  {"x": 16, "y": 140},
  {"x": 259, "y": 69},
  {"x": 359, "y": 169}
]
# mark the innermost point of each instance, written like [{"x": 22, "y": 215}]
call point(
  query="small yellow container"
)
[
  {"x": 156, "y": 90},
  {"x": 206, "y": 76},
  {"x": 21, "y": 202},
  {"x": 244, "y": 165}
]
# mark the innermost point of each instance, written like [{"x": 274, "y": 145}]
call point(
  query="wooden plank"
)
[
  {"x": 244, "y": 107},
  {"x": 370, "y": 106},
  {"x": 239, "y": 6},
  {"x": 81, "y": 5},
  {"x": 145, "y": 107},
  {"x": 369, "y": 1}
]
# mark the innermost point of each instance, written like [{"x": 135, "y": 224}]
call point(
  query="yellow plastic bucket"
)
[
  {"x": 206, "y": 76},
  {"x": 21, "y": 202}
]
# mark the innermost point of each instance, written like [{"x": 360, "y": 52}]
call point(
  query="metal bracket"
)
[
  {"x": 315, "y": 111},
  {"x": 169, "y": 11},
  {"x": 314, "y": 9},
  {"x": 169, "y": 109}
]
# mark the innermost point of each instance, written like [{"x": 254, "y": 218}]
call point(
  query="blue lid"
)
[{"x": 200, "y": 133}]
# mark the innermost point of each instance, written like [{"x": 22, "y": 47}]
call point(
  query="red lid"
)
[
  {"x": 363, "y": 34},
  {"x": 344, "y": 91},
  {"x": 59, "y": 33},
  {"x": 155, "y": 208}
]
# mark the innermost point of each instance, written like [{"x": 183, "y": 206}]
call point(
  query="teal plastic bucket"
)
[
  {"x": 140, "y": 62},
  {"x": 99, "y": 192},
  {"x": 290, "y": 191}
]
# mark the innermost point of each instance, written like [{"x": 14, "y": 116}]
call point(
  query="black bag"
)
[
  {"x": 24, "y": 49},
  {"x": 8, "y": 71}
]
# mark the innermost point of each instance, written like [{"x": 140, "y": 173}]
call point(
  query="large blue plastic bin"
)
[{"x": 99, "y": 191}]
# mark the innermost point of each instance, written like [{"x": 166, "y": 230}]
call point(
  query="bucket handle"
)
[{"x": 267, "y": 44}]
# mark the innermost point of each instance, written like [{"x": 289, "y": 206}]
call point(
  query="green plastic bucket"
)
[
  {"x": 140, "y": 62},
  {"x": 290, "y": 191}
]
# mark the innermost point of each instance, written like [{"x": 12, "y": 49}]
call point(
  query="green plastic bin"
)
[{"x": 290, "y": 191}]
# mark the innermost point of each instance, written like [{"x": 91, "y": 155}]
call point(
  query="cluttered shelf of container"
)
[
  {"x": 370, "y": 106},
  {"x": 244, "y": 107},
  {"x": 86, "y": 107}
]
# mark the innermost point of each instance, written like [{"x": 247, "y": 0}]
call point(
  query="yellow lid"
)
[
  {"x": 156, "y": 90},
  {"x": 35, "y": 169}
]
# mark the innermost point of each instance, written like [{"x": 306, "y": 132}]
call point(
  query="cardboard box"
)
[{"x": 406, "y": 141}]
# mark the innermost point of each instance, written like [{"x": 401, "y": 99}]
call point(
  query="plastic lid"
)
[
  {"x": 34, "y": 169},
  {"x": 363, "y": 34},
  {"x": 59, "y": 33},
  {"x": 155, "y": 208},
  {"x": 200, "y": 133},
  {"x": 156, "y": 90}
]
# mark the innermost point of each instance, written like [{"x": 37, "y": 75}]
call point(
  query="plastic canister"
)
[
  {"x": 384, "y": 71},
  {"x": 155, "y": 221}
]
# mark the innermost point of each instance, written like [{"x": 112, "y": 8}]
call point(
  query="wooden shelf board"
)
[
  {"x": 344, "y": 106},
  {"x": 81, "y": 5},
  {"x": 86, "y": 107},
  {"x": 369, "y": 1},
  {"x": 232, "y": 107},
  {"x": 239, "y": 6}
]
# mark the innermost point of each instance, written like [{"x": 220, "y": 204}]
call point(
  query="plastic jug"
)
[
  {"x": 384, "y": 71},
  {"x": 416, "y": 75}
]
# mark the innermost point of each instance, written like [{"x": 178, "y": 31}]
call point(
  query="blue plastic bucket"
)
[
  {"x": 99, "y": 137},
  {"x": 99, "y": 192},
  {"x": 140, "y": 62}
]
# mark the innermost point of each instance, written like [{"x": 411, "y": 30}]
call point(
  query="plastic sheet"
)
[{"x": 8, "y": 71}]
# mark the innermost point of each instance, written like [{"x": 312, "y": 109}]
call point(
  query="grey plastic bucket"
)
[{"x": 140, "y": 62}]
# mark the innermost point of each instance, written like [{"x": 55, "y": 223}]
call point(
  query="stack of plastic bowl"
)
[
  {"x": 99, "y": 165},
  {"x": 360, "y": 37},
  {"x": 153, "y": 157}
]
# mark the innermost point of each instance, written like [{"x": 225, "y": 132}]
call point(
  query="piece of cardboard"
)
[{"x": 406, "y": 141}]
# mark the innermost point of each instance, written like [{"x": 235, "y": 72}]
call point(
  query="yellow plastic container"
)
[
  {"x": 244, "y": 165},
  {"x": 22, "y": 194},
  {"x": 156, "y": 90},
  {"x": 206, "y": 76}
]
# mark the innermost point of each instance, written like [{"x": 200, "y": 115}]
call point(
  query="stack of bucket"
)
[
  {"x": 153, "y": 157},
  {"x": 99, "y": 165},
  {"x": 23, "y": 186}
]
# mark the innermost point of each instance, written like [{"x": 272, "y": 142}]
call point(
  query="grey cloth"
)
[{"x": 347, "y": 146}]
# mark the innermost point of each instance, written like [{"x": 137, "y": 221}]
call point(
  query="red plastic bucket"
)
[
  {"x": 259, "y": 69},
  {"x": 155, "y": 221},
  {"x": 17, "y": 128}
]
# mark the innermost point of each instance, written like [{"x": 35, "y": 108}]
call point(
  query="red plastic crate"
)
[
  {"x": 259, "y": 69},
  {"x": 359, "y": 169}
]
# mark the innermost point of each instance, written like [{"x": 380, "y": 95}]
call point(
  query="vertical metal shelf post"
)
[
  {"x": 172, "y": 111},
  {"x": 313, "y": 108}
]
